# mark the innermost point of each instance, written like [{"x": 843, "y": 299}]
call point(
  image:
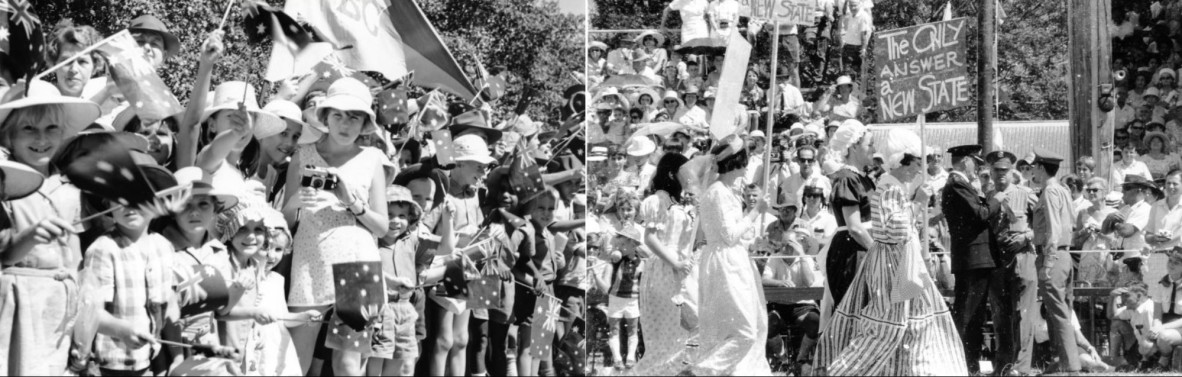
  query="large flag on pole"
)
[
  {"x": 295, "y": 50},
  {"x": 391, "y": 37}
]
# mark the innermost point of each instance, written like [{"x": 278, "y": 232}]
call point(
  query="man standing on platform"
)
[
  {"x": 973, "y": 259},
  {"x": 1052, "y": 235},
  {"x": 1013, "y": 236}
]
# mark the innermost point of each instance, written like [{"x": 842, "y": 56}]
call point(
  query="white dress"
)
[{"x": 733, "y": 315}]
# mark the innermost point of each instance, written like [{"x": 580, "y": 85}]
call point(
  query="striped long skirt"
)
[{"x": 868, "y": 335}]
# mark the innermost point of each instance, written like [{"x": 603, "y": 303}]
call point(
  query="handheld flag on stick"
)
[
  {"x": 546, "y": 320},
  {"x": 392, "y": 101},
  {"x": 203, "y": 291},
  {"x": 360, "y": 293},
  {"x": 444, "y": 150},
  {"x": 524, "y": 177},
  {"x": 150, "y": 98},
  {"x": 296, "y": 48},
  {"x": 21, "y": 42},
  {"x": 102, "y": 165}
]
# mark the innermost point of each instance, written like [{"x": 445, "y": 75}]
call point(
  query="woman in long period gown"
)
[
  {"x": 669, "y": 233},
  {"x": 893, "y": 320},
  {"x": 733, "y": 319}
]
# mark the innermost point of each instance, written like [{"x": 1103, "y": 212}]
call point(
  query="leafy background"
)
[
  {"x": 541, "y": 46},
  {"x": 1031, "y": 51}
]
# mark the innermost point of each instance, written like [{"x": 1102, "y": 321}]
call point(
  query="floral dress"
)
[
  {"x": 893, "y": 321},
  {"x": 332, "y": 235},
  {"x": 661, "y": 290}
]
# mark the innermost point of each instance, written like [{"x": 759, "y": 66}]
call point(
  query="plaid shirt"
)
[{"x": 127, "y": 278}]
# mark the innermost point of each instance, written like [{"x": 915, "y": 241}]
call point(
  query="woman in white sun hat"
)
[
  {"x": 651, "y": 41},
  {"x": 839, "y": 101},
  {"x": 229, "y": 146},
  {"x": 336, "y": 225},
  {"x": 39, "y": 249}
]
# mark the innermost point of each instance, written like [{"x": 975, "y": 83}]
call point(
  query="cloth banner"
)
[{"x": 730, "y": 87}]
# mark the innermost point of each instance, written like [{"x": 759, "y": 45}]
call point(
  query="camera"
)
[{"x": 318, "y": 178}]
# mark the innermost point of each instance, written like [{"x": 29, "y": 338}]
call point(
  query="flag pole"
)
[
  {"x": 923, "y": 161},
  {"x": 771, "y": 118},
  {"x": 226, "y": 15}
]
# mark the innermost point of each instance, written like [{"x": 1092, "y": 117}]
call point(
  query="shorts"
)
[
  {"x": 621, "y": 307},
  {"x": 396, "y": 337},
  {"x": 341, "y": 337},
  {"x": 523, "y": 305}
]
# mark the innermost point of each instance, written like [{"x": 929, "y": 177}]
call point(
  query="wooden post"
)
[
  {"x": 985, "y": 63},
  {"x": 1088, "y": 55},
  {"x": 923, "y": 168}
]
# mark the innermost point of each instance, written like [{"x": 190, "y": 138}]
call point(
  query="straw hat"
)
[
  {"x": 203, "y": 185},
  {"x": 285, "y": 111},
  {"x": 672, "y": 94},
  {"x": 844, "y": 80},
  {"x": 19, "y": 180},
  {"x": 229, "y": 94},
  {"x": 640, "y": 146},
  {"x": 650, "y": 33},
  {"x": 79, "y": 113},
  {"x": 599, "y": 45},
  {"x": 727, "y": 146},
  {"x": 350, "y": 94}
]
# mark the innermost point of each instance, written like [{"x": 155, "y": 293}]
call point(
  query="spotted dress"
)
[{"x": 893, "y": 320}]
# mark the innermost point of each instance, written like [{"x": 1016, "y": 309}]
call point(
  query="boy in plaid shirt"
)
[{"x": 122, "y": 265}]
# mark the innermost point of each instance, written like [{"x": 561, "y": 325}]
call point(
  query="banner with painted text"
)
[
  {"x": 788, "y": 12},
  {"x": 922, "y": 69}
]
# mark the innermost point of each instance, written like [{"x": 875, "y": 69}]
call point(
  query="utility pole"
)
[
  {"x": 986, "y": 61},
  {"x": 1089, "y": 53}
]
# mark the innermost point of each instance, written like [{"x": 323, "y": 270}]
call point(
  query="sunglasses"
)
[
  {"x": 805, "y": 160},
  {"x": 812, "y": 196},
  {"x": 670, "y": 102}
]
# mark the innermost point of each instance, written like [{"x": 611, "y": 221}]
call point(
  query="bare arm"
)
[
  {"x": 857, "y": 229},
  {"x": 189, "y": 132}
]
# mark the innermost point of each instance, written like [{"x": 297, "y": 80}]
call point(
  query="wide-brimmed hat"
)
[
  {"x": 19, "y": 181},
  {"x": 151, "y": 24},
  {"x": 1136, "y": 181},
  {"x": 285, "y": 111},
  {"x": 123, "y": 119},
  {"x": 203, "y": 185},
  {"x": 635, "y": 97},
  {"x": 401, "y": 194},
  {"x": 598, "y": 44},
  {"x": 727, "y": 147},
  {"x": 472, "y": 147},
  {"x": 1165, "y": 140},
  {"x": 632, "y": 233},
  {"x": 425, "y": 171},
  {"x": 350, "y": 94},
  {"x": 473, "y": 123},
  {"x": 640, "y": 146},
  {"x": 229, "y": 94},
  {"x": 78, "y": 112},
  {"x": 672, "y": 94},
  {"x": 650, "y": 33}
]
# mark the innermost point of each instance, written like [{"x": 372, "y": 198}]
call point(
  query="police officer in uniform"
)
[
  {"x": 973, "y": 258},
  {"x": 1012, "y": 237}
]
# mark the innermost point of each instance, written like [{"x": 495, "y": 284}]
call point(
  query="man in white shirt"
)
[
  {"x": 1125, "y": 111},
  {"x": 1126, "y": 164},
  {"x": 1165, "y": 217},
  {"x": 859, "y": 25},
  {"x": 1167, "y": 293},
  {"x": 1132, "y": 219},
  {"x": 792, "y": 101},
  {"x": 792, "y": 189},
  {"x": 1133, "y": 316}
]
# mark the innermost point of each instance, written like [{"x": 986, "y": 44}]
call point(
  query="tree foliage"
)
[
  {"x": 1032, "y": 65},
  {"x": 530, "y": 38}
]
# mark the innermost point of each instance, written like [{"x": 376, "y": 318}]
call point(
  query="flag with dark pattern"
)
[
  {"x": 392, "y": 101},
  {"x": 332, "y": 68},
  {"x": 360, "y": 292},
  {"x": 147, "y": 94},
  {"x": 444, "y": 150},
  {"x": 102, "y": 165},
  {"x": 297, "y": 48},
  {"x": 525, "y": 178},
  {"x": 21, "y": 41},
  {"x": 202, "y": 291}
]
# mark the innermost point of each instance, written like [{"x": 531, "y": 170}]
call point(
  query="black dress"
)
[{"x": 850, "y": 188}]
